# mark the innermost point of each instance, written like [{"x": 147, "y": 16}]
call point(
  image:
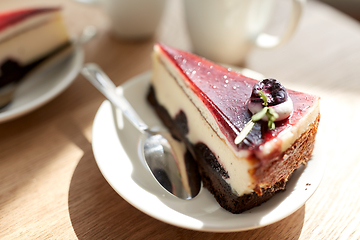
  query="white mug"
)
[
  {"x": 132, "y": 19},
  {"x": 226, "y": 30}
]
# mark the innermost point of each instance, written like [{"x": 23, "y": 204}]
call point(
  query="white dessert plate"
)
[
  {"x": 43, "y": 85},
  {"x": 115, "y": 146}
]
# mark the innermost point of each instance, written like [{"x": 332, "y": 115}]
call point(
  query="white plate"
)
[
  {"x": 43, "y": 85},
  {"x": 115, "y": 148}
]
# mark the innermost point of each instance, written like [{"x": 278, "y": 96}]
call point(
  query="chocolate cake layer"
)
[{"x": 12, "y": 72}]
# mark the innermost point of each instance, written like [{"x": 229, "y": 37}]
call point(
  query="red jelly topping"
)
[
  {"x": 225, "y": 93},
  {"x": 12, "y": 17}
]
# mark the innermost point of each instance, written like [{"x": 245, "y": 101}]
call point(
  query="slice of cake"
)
[
  {"x": 27, "y": 37},
  {"x": 207, "y": 106}
]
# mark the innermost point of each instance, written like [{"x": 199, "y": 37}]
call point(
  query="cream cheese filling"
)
[
  {"x": 174, "y": 94},
  {"x": 36, "y": 42},
  {"x": 199, "y": 130}
]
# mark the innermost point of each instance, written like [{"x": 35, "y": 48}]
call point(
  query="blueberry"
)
[{"x": 272, "y": 88}]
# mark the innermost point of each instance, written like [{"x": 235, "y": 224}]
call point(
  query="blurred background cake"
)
[{"x": 27, "y": 37}]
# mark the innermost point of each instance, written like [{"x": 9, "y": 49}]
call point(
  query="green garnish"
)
[
  {"x": 263, "y": 97},
  {"x": 269, "y": 112}
]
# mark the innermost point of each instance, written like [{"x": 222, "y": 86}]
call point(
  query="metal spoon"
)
[{"x": 164, "y": 155}]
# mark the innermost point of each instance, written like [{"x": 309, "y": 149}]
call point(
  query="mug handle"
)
[{"x": 264, "y": 40}]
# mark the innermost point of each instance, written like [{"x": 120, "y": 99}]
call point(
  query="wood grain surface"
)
[{"x": 51, "y": 187}]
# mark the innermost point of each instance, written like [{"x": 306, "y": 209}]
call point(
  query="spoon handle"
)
[{"x": 104, "y": 84}]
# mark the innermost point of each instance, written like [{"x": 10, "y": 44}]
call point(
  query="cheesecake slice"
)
[
  {"x": 206, "y": 106},
  {"x": 27, "y": 37}
]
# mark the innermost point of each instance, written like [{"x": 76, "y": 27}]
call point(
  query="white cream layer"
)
[
  {"x": 34, "y": 38},
  {"x": 176, "y": 96}
]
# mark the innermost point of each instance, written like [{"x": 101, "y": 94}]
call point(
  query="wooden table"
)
[{"x": 51, "y": 187}]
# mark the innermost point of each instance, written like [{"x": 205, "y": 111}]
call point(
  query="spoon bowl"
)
[{"x": 166, "y": 157}]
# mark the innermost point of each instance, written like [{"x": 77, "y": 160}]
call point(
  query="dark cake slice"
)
[{"x": 206, "y": 105}]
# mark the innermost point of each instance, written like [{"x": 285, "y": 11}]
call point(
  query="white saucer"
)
[
  {"x": 115, "y": 148},
  {"x": 43, "y": 85}
]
